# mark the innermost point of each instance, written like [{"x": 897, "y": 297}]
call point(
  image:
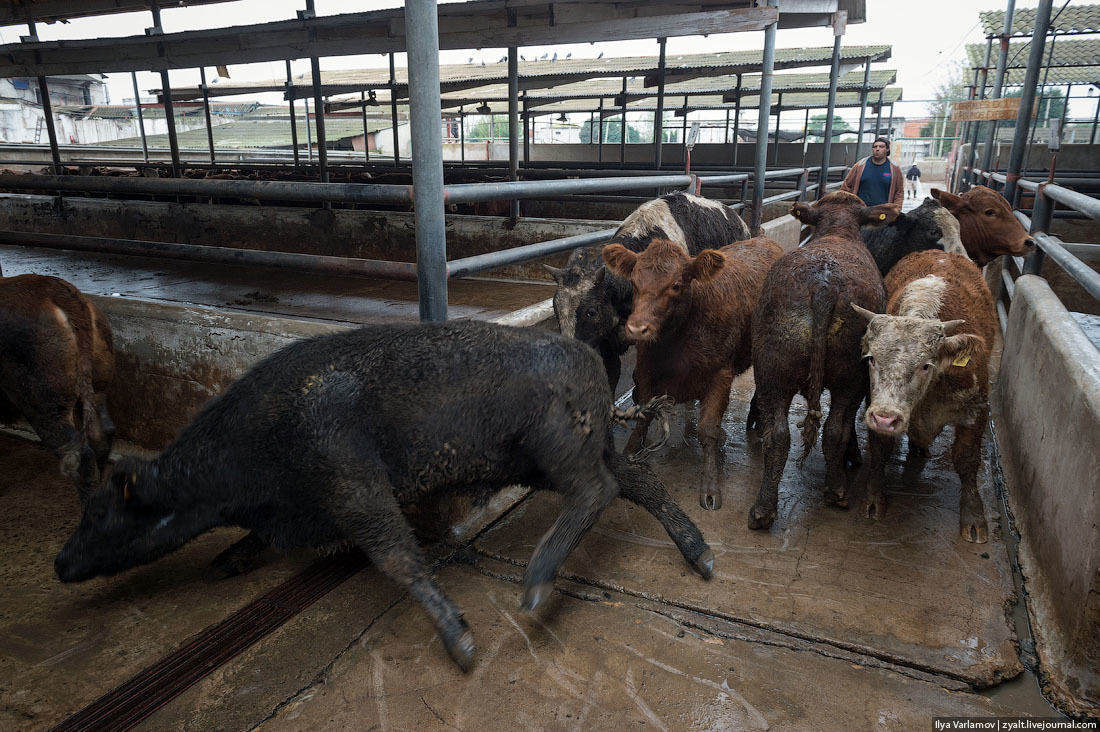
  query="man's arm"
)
[
  {"x": 898, "y": 188},
  {"x": 851, "y": 180}
]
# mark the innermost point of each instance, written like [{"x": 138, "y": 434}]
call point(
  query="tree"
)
[
  {"x": 945, "y": 95},
  {"x": 482, "y": 130},
  {"x": 817, "y": 126},
  {"x": 1053, "y": 105},
  {"x": 612, "y": 131}
]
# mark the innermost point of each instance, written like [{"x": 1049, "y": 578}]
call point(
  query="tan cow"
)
[
  {"x": 987, "y": 226},
  {"x": 928, "y": 358}
]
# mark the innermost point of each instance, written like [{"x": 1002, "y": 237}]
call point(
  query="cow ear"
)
[
  {"x": 958, "y": 350},
  {"x": 600, "y": 274},
  {"x": 554, "y": 272},
  {"x": 948, "y": 200},
  {"x": 620, "y": 260},
  {"x": 707, "y": 265},
  {"x": 805, "y": 213},
  {"x": 879, "y": 215},
  {"x": 867, "y": 314}
]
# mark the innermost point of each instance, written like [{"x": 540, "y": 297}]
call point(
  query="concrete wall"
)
[
  {"x": 786, "y": 230},
  {"x": 1047, "y": 408}
]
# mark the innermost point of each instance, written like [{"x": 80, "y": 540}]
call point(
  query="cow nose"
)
[
  {"x": 1030, "y": 242},
  {"x": 637, "y": 330},
  {"x": 884, "y": 421}
]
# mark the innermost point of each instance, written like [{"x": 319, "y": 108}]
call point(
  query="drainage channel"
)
[{"x": 127, "y": 705}]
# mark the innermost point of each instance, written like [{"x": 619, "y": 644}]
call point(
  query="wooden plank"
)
[{"x": 982, "y": 110}]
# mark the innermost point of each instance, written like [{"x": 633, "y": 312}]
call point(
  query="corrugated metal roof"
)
[
  {"x": 1064, "y": 75},
  {"x": 1070, "y": 19},
  {"x": 123, "y": 111},
  {"x": 1067, "y": 52},
  {"x": 804, "y": 100},
  {"x": 259, "y": 133}
]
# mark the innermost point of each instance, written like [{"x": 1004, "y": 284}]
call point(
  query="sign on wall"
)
[{"x": 981, "y": 110}]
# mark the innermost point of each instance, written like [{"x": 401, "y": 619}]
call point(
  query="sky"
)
[{"x": 927, "y": 37}]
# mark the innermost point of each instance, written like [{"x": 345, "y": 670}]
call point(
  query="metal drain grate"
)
[{"x": 125, "y": 706}]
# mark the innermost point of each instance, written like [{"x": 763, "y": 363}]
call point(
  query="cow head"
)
[
  {"x": 662, "y": 277},
  {"x": 127, "y": 521},
  {"x": 598, "y": 317},
  {"x": 573, "y": 282},
  {"x": 844, "y": 210},
  {"x": 904, "y": 355},
  {"x": 986, "y": 224}
]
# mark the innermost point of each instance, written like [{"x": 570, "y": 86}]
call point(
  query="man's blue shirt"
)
[{"x": 874, "y": 184}]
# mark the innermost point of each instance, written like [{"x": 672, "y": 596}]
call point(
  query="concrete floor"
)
[{"x": 827, "y": 622}]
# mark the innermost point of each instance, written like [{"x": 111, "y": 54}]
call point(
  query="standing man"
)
[
  {"x": 912, "y": 180},
  {"x": 876, "y": 179}
]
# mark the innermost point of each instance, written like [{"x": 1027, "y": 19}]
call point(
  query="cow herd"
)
[{"x": 325, "y": 443}]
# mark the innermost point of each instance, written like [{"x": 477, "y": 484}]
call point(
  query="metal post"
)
[
  {"x": 998, "y": 81},
  {"x": 526, "y": 130},
  {"x": 309, "y": 133},
  {"x": 805, "y": 139},
  {"x": 1095, "y": 119},
  {"x": 140, "y": 117},
  {"x": 890, "y": 124},
  {"x": 761, "y": 162},
  {"x": 863, "y": 108},
  {"x": 736, "y": 121},
  {"x": 878, "y": 117},
  {"x": 684, "y": 124},
  {"x": 206, "y": 113},
  {"x": 726, "y": 131},
  {"x": 393, "y": 109},
  {"x": 1040, "y": 222},
  {"x": 422, "y": 44},
  {"x": 599, "y": 135},
  {"x": 366, "y": 134},
  {"x": 827, "y": 146},
  {"x": 47, "y": 109},
  {"x": 1027, "y": 100},
  {"x": 659, "y": 115},
  {"x": 166, "y": 90},
  {"x": 513, "y": 118},
  {"x": 622, "y": 127},
  {"x": 973, "y": 133},
  {"x": 461, "y": 134},
  {"x": 778, "y": 117},
  {"x": 293, "y": 122},
  {"x": 319, "y": 110}
]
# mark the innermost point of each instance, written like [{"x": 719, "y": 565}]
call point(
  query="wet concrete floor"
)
[{"x": 827, "y": 622}]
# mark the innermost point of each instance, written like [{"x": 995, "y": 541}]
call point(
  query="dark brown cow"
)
[
  {"x": 690, "y": 321},
  {"x": 929, "y": 364},
  {"x": 805, "y": 340},
  {"x": 986, "y": 224},
  {"x": 56, "y": 362}
]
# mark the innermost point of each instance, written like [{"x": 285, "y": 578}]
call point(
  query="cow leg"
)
[
  {"x": 640, "y": 485},
  {"x": 238, "y": 557},
  {"x": 752, "y": 420},
  {"x": 76, "y": 458},
  {"x": 384, "y": 534},
  {"x": 920, "y": 438},
  {"x": 879, "y": 448},
  {"x": 102, "y": 435},
  {"x": 966, "y": 454},
  {"x": 642, "y": 394},
  {"x": 612, "y": 364},
  {"x": 777, "y": 444},
  {"x": 834, "y": 443},
  {"x": 586, "y": 492},
  {"x": 712, "y": 407}
]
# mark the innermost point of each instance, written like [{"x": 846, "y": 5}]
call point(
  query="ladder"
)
[{"x": 38, "y": 130}]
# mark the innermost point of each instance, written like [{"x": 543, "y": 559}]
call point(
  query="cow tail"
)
[
  {"x": 82, "y": 323},
  {"x": 656, "y": 409},
  {"x": 823, "y": 299}
]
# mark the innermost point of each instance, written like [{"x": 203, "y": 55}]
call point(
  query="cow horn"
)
[
  {"x": 554, "y": 272},
  {"x": 864, "y": 312},
  {"x": 951, "y": 325}
]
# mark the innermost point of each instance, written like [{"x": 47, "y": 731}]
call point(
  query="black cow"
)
[
  {"x": 593, "y": 305},
  {"x": 324, "y": 442},
  {"x": 910, "y": 232}
]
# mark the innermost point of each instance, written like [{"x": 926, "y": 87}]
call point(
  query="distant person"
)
[
  {"x": 912, "y": 180},
  {"x": 876, "y": 179}
]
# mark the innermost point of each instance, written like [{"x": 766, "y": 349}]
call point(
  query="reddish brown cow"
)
[
  {"x": 986, "y": 224},
  {"x": 56, "y": 362},
  {"x": 929, "y": 364},
  {"x": 690, "y": 321},
  {"x": 805, "y": 340}
]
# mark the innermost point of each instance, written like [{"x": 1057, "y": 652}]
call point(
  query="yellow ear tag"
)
[
  {"x": 126, "y": 491},
  {"x": 797, "y": 214},
  {"x": 961, "y": 360},
  {"x": 882, "y": 217}
]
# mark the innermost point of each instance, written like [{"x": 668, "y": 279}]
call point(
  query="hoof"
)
[
  {"x": 761, "y": 519},
  {"x": 710, "y": 501},
  {"x": 534, "y": 596},
  {"x": 874, "y": 508},
  {"x": 837, "y": 498},
  {"x": 463, "y": 651},
  {"x": 229, "y": 564},
  {"x": 974, "y": 532},
  {"x": 704, "y": 564}
]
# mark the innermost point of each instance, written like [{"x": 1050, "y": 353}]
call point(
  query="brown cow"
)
[
  {"x": 56, "y": 362},
  {"x": 690, "y": 321},
  {"x": 929, "y": 363},
  {"x": 805, "y": 340},
  {"x": 987, "y": 226}
]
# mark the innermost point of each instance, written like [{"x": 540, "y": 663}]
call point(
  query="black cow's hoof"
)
[
  {"x": 462, "y": 651},
  {"x": 710, "y": 501},
  {"x": 534, "y": 596},
  {"x": 761, "y": 519},
  {"x": 837, "y": 498},
  {"x": 974, "y": 532},
  {"x": 704, "y": 564}
]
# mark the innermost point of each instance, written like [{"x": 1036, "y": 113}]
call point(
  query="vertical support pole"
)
[
  {"x": 206, "y": 113},
  {"x": 998, "y": 82},
  {"x": 726, "y": 131},
  {"x": 599, "y": 135},
  {"x": 422, "y": 43},
  {"x": 1027, "y": 100},
  {"x": 526, "y": 130},
  {"x": 461, "y": 134},
  {"x": 973, "y": 153},
  {"x": 166, "y": 91},
  {"x": 293, "y": 121},
  {"x": 1095, "y": 120},
  {"x": 761, "y": 161},
  {"x": 47, "y": 106},
  {"x": 878, "y": 116},
  {"x": 1041, "y": 215},
  {"x": 622, "y": 127},
  {"x": 393, "y": 110},
  {"x": 309, "y": 132},
  {"x": 862, "y": 109},
  {"x": 834, "y": 72},
  {"x": 366, "y": 134},
  {"x": 319, "y": 110},
  {"x": 141, "y": 118},
  {"x": 513, "y": 118},
  {"x": 659, "y": 115},
  {"x": 736, "y": 121},
  {"x": 805, "y": 137},
  {"x": 778, "y": 117}
]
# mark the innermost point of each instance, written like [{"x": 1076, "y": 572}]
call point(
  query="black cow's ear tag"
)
[
  {"x": 127, "y": 487},
  {"x": 882, "y": 217}
]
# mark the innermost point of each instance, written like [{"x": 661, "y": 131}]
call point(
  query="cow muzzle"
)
[
  {"x": 885, "y": 421},
  {"x": 639, "y": 331}
]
